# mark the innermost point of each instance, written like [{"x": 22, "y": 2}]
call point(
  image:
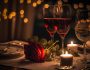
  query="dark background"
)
[{"x": 23, "y": 31}]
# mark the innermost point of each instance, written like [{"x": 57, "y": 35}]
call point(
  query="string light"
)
[
  {"x": 34, "y": 4},
  {"x": 46, "y": 6},
  {"x": 28, "y": 1},
  {"x": 26, "y": 20},
  {"x": 39, "y": 2}
]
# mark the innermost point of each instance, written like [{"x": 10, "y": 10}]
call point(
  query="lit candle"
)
[
  {"x": 66, "y": 59},
  {"x": 72, "y": 46}
]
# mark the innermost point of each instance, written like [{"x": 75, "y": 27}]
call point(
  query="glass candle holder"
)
[{"x": 66, "y": 61}]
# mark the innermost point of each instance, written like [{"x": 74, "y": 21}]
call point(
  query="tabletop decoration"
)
[
  {"x": 66, "y": 60},
  {"x": 34, "y": 52},
  {"x": 72, "y": 47},
  {"x": 50, "y": 49}
]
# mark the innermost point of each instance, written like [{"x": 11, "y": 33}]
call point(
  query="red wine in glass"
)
[
  {"x": 61, "y": 25},
  {"x": 50, "y": 26}
]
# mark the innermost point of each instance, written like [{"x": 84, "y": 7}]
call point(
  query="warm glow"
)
[
  {"x": 21, "y": 1},
  {"x": 71, "y": 42},
  {"x": 10, "y": 16},
  {"x": 22, "y": 16},
  {"x": 5, "y": 1},
  {"x": 66, "y": 54},
  {"x": 39, "y": 2},
  {"x": 5, "y": 17},
  {"x": 75, "y": 6},
  {"x": 82, "y": 20},
  {"x": 5, "y": 10},
  {"x": 34, "y": 4},
  {"x": 28, "y": 1},
  {"x": 46, "y": 6},
  {"x": 21, "y": 11},
  {"x": 72, "y": 45},
  {"x": 88, "y": 20},
  {"x": 13, "y": 13},
  {"x": 25, "y": 20}
]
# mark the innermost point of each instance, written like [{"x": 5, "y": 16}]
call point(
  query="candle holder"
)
[
  {"x": 72, "y": 48},
  {"x": 66, "y": 61}
]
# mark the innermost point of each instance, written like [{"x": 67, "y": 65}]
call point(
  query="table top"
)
[{"x": 47, "y": 65}]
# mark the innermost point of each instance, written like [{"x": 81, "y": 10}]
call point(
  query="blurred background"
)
[{"x": 22, "y": 19}]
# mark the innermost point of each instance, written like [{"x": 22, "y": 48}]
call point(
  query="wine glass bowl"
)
[
  {"x": 82, "y": 31},
  {"x": 51, "y": 30},
  {"x": 62, "y": 17}
]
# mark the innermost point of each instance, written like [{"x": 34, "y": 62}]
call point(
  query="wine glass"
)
[
  {"x": 49, "y": 25},
  {"x": 82, "y": 30},
  {"x": 51, "y": 30},
  {"x": 62, "y": 16}
]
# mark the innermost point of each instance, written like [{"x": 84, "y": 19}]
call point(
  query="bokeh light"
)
[
  {"x": 75, "y": 6},
  {"x": 5, "y": 10},
  {"x": 46, "y": 6},
  {"x": 22, "y": 11},
  {"x": 13, "y": 13},
  {"x": 5, "y": 1},
  {"x": 10, "y": 16},
  {"x": 22, "y": 15},
  {"x": 28, "y": 1},
  {"x": 26, "y": 20},
  {"x": 21, "y": 1},
  {"x": 39, "y": 2},
  {"x": 34, "y": 4},
  {"x": 5, "y": 17}
]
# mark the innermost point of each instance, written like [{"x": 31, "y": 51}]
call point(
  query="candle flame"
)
[
  {"x": 71, "y": 42},
  {"x": 66, "y": 52}
]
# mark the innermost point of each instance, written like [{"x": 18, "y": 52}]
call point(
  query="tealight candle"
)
[
  {"x": 72, "y": 46},
  {"x": 66, "y": 59}
]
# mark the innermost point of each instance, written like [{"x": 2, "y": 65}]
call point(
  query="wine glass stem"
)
[
  {"x": 84, "y": 44},
  {"x": 62, "y": 45},
  {"x": 52, "y": 38},
  {"x": 85, "y": 55}
]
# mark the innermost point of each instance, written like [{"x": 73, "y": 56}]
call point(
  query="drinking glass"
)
[
  {"x": 49, "y": 23},
  {"x": 62, "y": 17},
  {"x": 82, "y": 31}
]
